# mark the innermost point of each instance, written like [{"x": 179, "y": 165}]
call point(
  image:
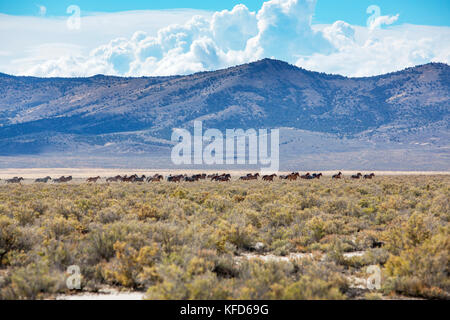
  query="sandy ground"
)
[
  {"x": 81, "y": 173},
  {"x": 106, "y": 294}
]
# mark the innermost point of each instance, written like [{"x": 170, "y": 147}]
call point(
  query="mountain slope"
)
[{"x": 39, "y": 115}]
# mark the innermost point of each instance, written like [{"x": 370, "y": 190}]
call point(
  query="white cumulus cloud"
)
[{"x": 281, "y": 29}]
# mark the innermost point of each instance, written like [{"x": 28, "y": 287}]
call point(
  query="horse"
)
[
  {"x": 178, "y": 178},
  {"x": 307, "y": 176},
  {"x": 356, "y": 176},
  {"x": 63, "y": 179},
  {"x": 141, "y": 179},
  {"x": 250, "y": 176},
  {"x": 222, "y": 177},
  {"x": 191, "y": 179},
  {"x": 201, "y": 176},
  {"x": 93, "y": 179},
  {"x": 114, "y": 179},
  {"x": 14, "y": 180},
  {"x": 293, "y": 176},
  {"x": 269, "y": 177},
  {"x": 130, "y": 178},
  {"x": 42, "y": 180},
  {"x": 337, "y": 176},
  {"x": 369, "y": 176},
  {"x": 155, "y": 178},
  {"x": 317, "y": 175}
]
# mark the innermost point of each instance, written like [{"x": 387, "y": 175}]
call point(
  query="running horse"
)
[
  {"x": 43, "y": 180},
  {"x": 337, "y": 176},
  {"x": 155, "y": 178},
  {"x": 93, "y": 179},
  {"x": 307, "y": 176},
  {"x": 369, "y": 176},
  {"x": 114, "y": 179},
  {"x": 269, "y": 177},
  {"x": 250, "y": 176},
  {"x": 14, "y": 180},
  {"x": 356, "y": 176},
  {"x": 63, "y": 179},
  {"x": 293, "y": 176},
  {"x": 223, "y": 177}
]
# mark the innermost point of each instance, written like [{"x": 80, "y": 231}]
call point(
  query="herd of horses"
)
[{"x": 196, "y": 177}]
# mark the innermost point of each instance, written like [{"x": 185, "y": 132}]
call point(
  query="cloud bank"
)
[{"x": 281, "y": 29}]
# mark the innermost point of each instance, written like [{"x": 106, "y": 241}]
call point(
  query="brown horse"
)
[
  {"x": 250, "y": 177},
  {"x": 114, "y": 179},
  {"x": 201, "y": 176},
  {"x": 222, "y": 177},
  {"x": 269, "y": 177},
  {"x": 356, "y": 176},
  {"x": 155, "y": 178},
  {"x": 337, "y": 176},
  {"x": 63, "y": 179},
  {"x": 307, "y": 176},
  {"x": 177, "y": 178},
  {"x": 293, "y": 176},
  {"x": 369, "y": 176},
  {"x": 130, "y": 178},
  {"x": 93, "y": 179}
]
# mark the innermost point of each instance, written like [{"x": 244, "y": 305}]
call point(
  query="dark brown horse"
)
[
  {"x": 63, "y": 179},
  {"x": 250, "y": 177},
  {"x": 337, "y": 176},
  {"x": 114, "y": 179},
  {"x": 269, "y": 177},
  {"x": 356, "y": 176},
  {"x": 222, "y": 177},
  {"x": 307, "y": 176},
  {"x": 369, "y": 176},
  {"x": 177, "y": 178}
]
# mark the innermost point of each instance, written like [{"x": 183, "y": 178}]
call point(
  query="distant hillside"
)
[{"x": 113, "y": 115}]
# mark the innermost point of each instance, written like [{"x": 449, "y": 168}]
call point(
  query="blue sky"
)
[
  {"x": 425, "y": 12},
  {"x": 144, "y": 38}
]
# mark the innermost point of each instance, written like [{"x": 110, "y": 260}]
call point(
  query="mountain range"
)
[{"x": 395, "y": 121}]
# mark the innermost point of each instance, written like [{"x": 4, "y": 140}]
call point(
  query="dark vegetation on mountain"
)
[{"x": 39, "y": 115}]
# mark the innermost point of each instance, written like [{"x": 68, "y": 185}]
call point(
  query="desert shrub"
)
[
  {"x": 198, "y": 231},
  {"x": 110, "y": 214},
  {"x": 411, "y": 233},
  {"x": 100, "y": 242},
  {"x": 132, "y": 268},
  {"x": 58, "y": 227},
  {"x": 10, "y": 235},
  {"x": 422, "y": 270},
  {"x": 32, "y": 282}
]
